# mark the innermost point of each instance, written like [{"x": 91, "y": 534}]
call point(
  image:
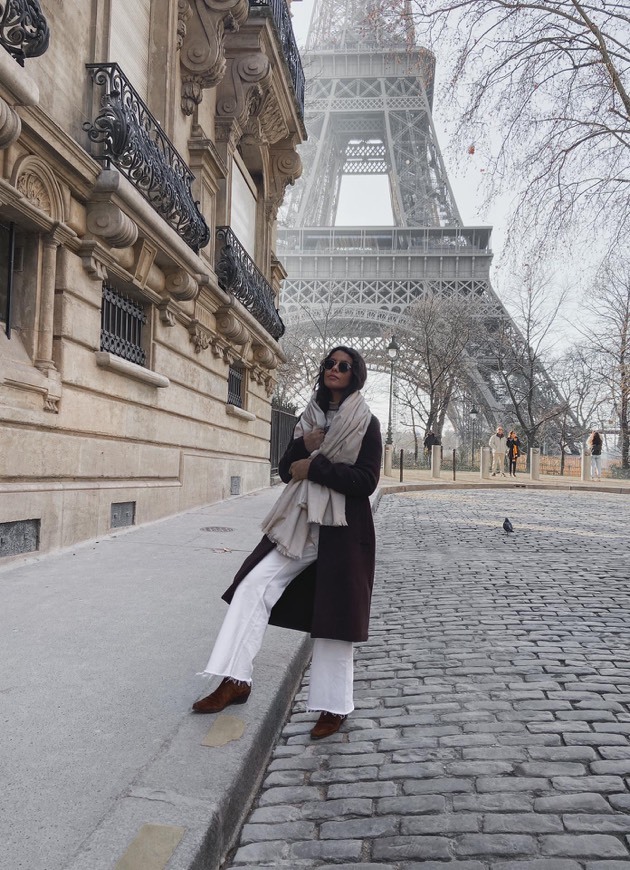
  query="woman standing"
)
[
  {"x": 313, "y": 570},
  {"x": 595, "y": 444},
  {"x": 514, "y": 451}
]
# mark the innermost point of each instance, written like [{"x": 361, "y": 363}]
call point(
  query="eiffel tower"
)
[{"x": 369, "y": 112}]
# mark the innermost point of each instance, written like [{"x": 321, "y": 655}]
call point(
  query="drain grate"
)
[{"x": 217, "y": 529}]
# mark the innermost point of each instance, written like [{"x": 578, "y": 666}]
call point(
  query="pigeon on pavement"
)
[{"x": 507, "y": 525}]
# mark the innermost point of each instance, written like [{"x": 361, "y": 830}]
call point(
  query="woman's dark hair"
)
[
  {"x": 596, "y": 438},
  {"x": 357, "y": 379}
]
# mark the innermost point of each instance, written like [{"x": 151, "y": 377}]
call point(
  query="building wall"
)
[{"x": 81, "y": 429}]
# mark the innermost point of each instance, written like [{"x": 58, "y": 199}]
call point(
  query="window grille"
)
[
  {"x": 122, "y": 320},
  {"x": 236, "y": 386}
]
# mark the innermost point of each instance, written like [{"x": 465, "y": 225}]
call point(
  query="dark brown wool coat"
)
[{"x": 331, "y": 598}]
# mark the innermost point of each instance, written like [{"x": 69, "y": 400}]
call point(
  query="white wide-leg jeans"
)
[{"x": 241, "y": 634}]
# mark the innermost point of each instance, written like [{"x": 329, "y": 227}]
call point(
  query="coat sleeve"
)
[
  {"x": 358, "y": 480},
  {"x": 295, "y": 450}
]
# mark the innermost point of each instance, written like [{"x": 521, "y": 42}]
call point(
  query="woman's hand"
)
[
  {"x": 299, "y": 469},
  {"x": 313, "y": 439}
]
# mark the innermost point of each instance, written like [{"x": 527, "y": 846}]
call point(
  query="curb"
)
[{"x": 225, "y": 824}]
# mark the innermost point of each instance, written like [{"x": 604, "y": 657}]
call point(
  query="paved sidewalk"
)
[
  {"x": 493, "y": 698},
  {"x": 99, "y": 648}
]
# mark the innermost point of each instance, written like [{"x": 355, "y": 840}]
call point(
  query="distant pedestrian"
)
[
  {"x": 514, "y": 451},
  {"x": 595, "y": 444},
  {"x": 498, "y": 445},
  {"x": 430, "y": 442},
  {"x": 314, "y": 567}
]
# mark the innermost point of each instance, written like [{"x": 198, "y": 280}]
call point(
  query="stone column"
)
[
  {"x": 485, "y": 463},
  {"x": 585, "y": 466},
  {"x": 387, "y": 460},
  {"x": 44, "y": 358},
  {"x": 534, "y": 463},
  {"x": 436, "y": 460}
]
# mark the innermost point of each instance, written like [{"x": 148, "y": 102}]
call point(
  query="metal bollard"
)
[
  {"x": 454, "y": 463},
  {"x": 401, "y": 465}
]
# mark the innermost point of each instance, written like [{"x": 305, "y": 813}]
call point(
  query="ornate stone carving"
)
[
  {"x": 184, "y": 13},
  {"x": 272, "y": 122},
  {"x": 108, "y": 221},
  {"x": 33, "y": 188},
  {"x": 34, "y": 180},
  {"x": 199, "y": 335},
  {"x": 91, "y": 255},
  {"x": 167, "y": 313},
  {"x": 202, "y": 56},
  {"x": 181, "y": 284},
  {"x": 219, "y": 347},
  {"x": 10, "y": 125}
]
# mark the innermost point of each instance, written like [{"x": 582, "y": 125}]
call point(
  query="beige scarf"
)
[{"x": 304, "y": 501}]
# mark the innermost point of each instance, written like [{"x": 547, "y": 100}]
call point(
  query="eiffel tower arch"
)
[{"x": 369, "y": 112}]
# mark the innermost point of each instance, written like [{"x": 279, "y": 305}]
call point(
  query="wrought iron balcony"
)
[
  {"x": 23, "y": 29},
  {"x": 239, "y": 275},
  {"x": 132, "y": 139},
  {"x": 282, "y": 20}
]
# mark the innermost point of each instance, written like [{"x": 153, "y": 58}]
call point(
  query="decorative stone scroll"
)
[
  {"x": 286, "y": 168},
  {"x": 230, "y": 326},
  {"x": 107, "y": 220},
  {"x": 241, "y": 93},
  {"x": 202, "y": 25},
  {"x": 10, "y": 125}
]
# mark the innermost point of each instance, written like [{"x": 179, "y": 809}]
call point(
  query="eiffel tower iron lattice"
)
[{"x": 369, "y": 112}]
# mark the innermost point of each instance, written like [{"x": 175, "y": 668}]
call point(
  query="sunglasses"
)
[{"x": 342, "y": 366}]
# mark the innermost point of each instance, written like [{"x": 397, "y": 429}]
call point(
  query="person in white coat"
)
[{"x": 498, "y": 445}]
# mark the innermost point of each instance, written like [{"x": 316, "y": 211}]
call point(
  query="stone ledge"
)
[
  {"x": 241, "y": 413},
  {"x": 117, "y": 364}
]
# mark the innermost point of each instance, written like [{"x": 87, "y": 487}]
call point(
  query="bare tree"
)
[
  {"x": 545, "y": 95},
  {"x": 523, "y": 353},
  {"x": 433, "y": 346},
  {"x": 577, "y": 372},
  {"x": 608, "y": 304}
]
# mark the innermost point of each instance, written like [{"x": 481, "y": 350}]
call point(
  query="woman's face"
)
[{"x": 336, "y": 381}]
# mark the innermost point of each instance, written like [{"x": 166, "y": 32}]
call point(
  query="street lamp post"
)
[
  {"x": 392, "y": 353},
  {"x": 474, "y": 413}
]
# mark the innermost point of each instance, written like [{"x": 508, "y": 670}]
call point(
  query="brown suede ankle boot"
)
[
  {"x": 327, "y": 724},
  {"x": 229, "y": 692}
]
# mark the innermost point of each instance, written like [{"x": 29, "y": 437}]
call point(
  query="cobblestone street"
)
[{"x": 492, "y": 717}]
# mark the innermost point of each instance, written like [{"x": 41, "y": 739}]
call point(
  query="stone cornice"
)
[{"x": 71, "y": 162}]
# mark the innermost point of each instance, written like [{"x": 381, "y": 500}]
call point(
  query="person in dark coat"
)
[
  {"x": 313, "y": 570},
  {"x": 513, "y": 443}
]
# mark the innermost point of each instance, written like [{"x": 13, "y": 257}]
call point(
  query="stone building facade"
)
[{"x": 145, "y": 148}]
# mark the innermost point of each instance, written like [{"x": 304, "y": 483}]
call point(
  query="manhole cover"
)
[{"x": 217, "y": 529}]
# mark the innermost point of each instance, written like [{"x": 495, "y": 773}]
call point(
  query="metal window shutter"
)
[{"x": 129, "y": 41}]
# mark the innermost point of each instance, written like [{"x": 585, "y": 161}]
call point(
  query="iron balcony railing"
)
[
  {"x": 239, "y": 275},
  {"x": 284, "y": 29},
  {"x": 24, "y": 30},
  {"x": 132, "y": 139}
]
